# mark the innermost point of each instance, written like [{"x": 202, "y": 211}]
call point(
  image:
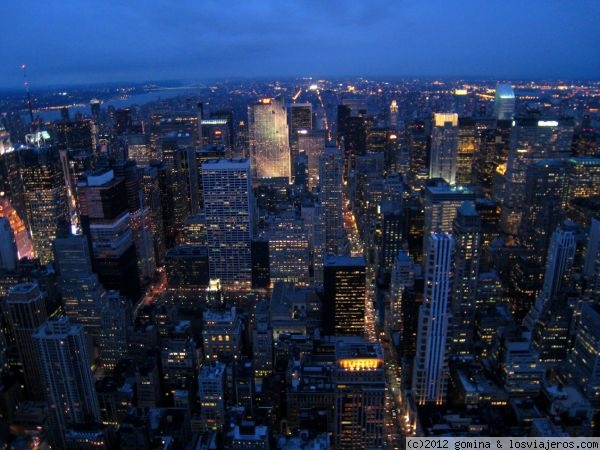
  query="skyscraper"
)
[
  {"x": 430, "y": 369},
  {"x": 312, "y": 142},
  {"x": 105, "y": 219},
  {"x": 441, "y": 203},
  {"x": 359, "y": 381},
  {"x": 331, "y": 168},
  {"x": 8, "y": 246},
  {"x": 344, "y": 290},
  {"x": 504, "y": 102},
  {"x": 532, "y": 139},
  {"x": 584, "y": 359},
  {"x": 269, "y": 138},
  {"x": 45, "y": 197},
  {"x": 82, "y": 294},
  {"x": 66, "y": 375},
  {"x": 26, "y": 307},
  {"x": 467, "y": 235},
  {"x": 229, "y": 212},
  {"x": 444, "y": 147}
]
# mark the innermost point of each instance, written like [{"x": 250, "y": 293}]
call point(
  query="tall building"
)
[
  {"x": 584, "y": 359},
  {"x": 312, "y": 142},
  {"x": 82, "y": 294},
  {"x": 221, "y": 335},
  {"x": 546, "y": 187},
  {"x": 105, "y": 219},
  {"x": 344, "y": 290},
  {"x": 269, "y": 138},
  {"x": 430, "y": 369},
  {"x": 8, "y": 246},
  {"x": 444, "y": 147},
  {"x": 441, "y": 205},
  {"x": 45, "y": 196},
  {"x": 403, "y": 278},
  {"x": 504, "y": 102},
  {"x": 289, "y": 252},
  {"x": 467, "y": 235},
  {"x": 591, "y": 265},
  {"x": 229, "y": 212},
  {"x": 532, "y": 139},
  {"x": 359, "y": 380},
  {"x": 211, "y": 393},
  {"x": 299, "y": 123},
  {"x": 140, "y": 150},
  {"x": 331, "y": 167},
  {"x": 115, "y": 318},
  {"x": 66, "y": 375},
  {"x": 392, "y": 224},
  {"x": 467, "y": 150},
  {"x": 179, "y": 157},
  {"x": 26, "y": 308}
]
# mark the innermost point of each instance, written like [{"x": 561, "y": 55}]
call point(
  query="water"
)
[{"x": 119, "y": 102}]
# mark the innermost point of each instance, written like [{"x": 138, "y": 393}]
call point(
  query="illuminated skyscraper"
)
[
  {"x": 531, "y": 140},
  {"x": 269, "y": 138},
  {"x": 444, "y": 147},
  {"x": 300, "y": 121},
  {"x": 504, "y": 102},
  {"x": 45, "y": 198},
  {"x": 140, "y": 150},
  {"x": 344, "y": 287},
  {"x": 359, "y": 380},
  {"x": 229, "y": 212},
  {"x": 289, "y": 258},
  {"x": 26, "y": 308},
  {"x": 66, "y": 375},
  {"x": 467, "y": 234},
  {"x": 467, "y": 149},
  {"x": 312, "y": 142},
  {"x": 430, "y": 369},
  {"x": 331, "y": 167},
  {"x": 441, "y": 203}
]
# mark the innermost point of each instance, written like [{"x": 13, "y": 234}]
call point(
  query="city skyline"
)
[{"x": 124, "y": 42}]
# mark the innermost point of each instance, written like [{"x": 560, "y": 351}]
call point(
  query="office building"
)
[
  {"x": 221, "y": 335},
  {"x": 331, "y": 166},
  {"x": 344, "y": 290},
  {"x": 115, "y": 318},
  {"x": 504, "y": 102},
  {"x": 289, "y": 252},
  {"x": 359, "y": 381},
  {"x": 584, "y": 359},
  {"x": 211, "y": 394},
  {"x": 441, "y": 204},
  {"x": 229, "y": 213},
  {"x": 532, "y": 139},
  {"x": 269, "y": 138},
  {"x": 444, "y": 147},
  {"x": 26, "y": 310},
  {"x": 45, "y": 195},
  {"x": 467, "y": 150},
  {"x": 66, "y": 375},
  {"x": 8, "y": 246},
  {"x": 106, "y": 220},
  {"x": 467, "y": 235},
  {"x": 82, "y": 294},
  {"x": 312, "y": 143},
  {"x": 430, "y": 369}
]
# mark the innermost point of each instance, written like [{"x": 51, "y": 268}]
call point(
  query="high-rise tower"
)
[
  {"x": 430, "y": 370},
  {"x": 269, "y": 138},
  {"x": 229, "y": 212},
  {"x": 444, "y": 147}
]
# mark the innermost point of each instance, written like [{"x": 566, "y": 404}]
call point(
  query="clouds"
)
[{"x": 75, "y": 41}]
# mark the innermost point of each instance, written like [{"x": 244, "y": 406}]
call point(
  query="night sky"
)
[{"x": 84, "y": 41}]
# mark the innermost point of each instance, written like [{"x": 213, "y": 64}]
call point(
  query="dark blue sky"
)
[{"x": 81, "y": 41}]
